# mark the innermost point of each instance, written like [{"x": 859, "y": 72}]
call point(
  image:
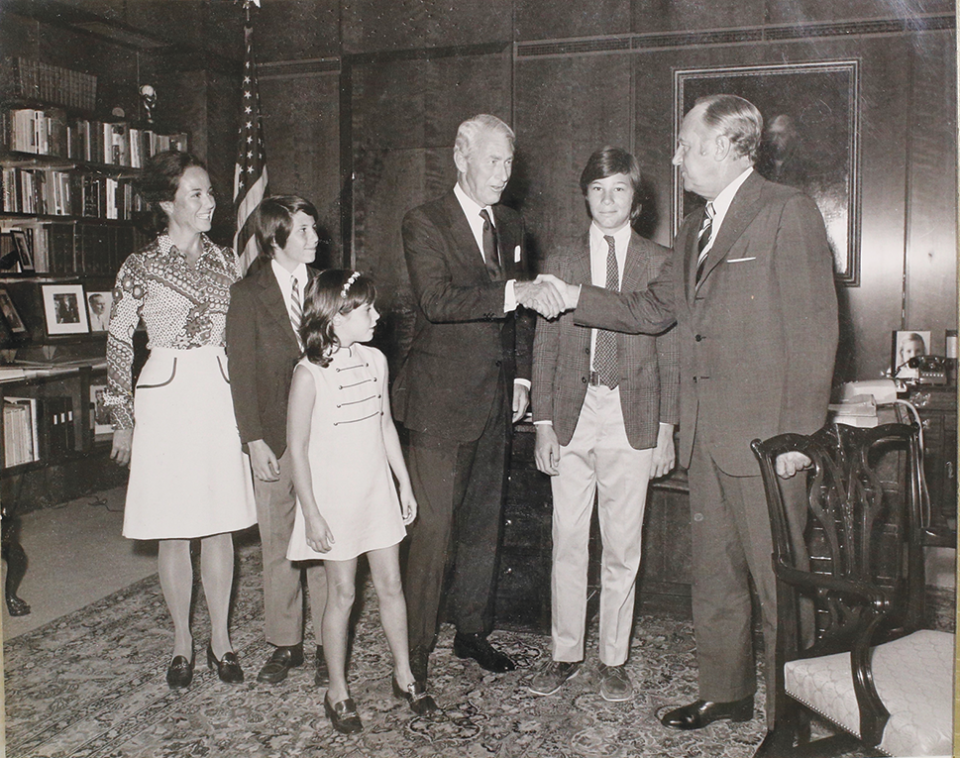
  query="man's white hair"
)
[{"x": 469, "y": 129}]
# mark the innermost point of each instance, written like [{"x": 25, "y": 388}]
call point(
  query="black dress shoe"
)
[
  {"x": 280, "y": 662},
  {"x": 228, "y": 667},
  {"x": 476, "y": 646},
  {"x": 765, "y": 748},
  {"x": 342, "y": 715},
  {"x": 321, "y": 677},
  {"x": 417, "y": 697},
  {"x": 180, "y": 672},
  {"x": 419, "y": 656},
  {"x": 697, "y": 715}
]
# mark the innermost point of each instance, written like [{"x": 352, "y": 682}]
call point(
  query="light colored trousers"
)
[{"x": 598, "y": 463}]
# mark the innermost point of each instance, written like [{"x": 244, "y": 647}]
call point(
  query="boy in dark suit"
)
[
  {"x": 605, "y": 406},
  {"x": 262, "y": 348}
]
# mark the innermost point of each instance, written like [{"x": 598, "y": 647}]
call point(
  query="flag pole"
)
[{"x": 250, "y": 172}]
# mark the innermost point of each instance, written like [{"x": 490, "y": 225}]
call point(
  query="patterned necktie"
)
[
  {"x": 490, "y": 253},
  {"x": 605, "y": 351},
  {"x": 706, "y": 229},
  {"x": 296, "y": 308}
]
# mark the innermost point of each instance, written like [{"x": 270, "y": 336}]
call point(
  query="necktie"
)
[
  {"x": 490, "y": 253},
  {"x": 605, "y": 351},
  {"x": 296, "y": 308},
  {"x": 706, "y": 229}
]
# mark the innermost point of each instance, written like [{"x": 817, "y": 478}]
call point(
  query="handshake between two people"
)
[{"x": 547, "y": 295}]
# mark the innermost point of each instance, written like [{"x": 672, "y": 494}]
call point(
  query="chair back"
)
[{"x": 848, "y": 541}]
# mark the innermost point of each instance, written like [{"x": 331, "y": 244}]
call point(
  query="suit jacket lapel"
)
[
  {"x": 272, "y": 300},
  {"x": 465, "y": 244},
  {"x": 743, "y": 210}
]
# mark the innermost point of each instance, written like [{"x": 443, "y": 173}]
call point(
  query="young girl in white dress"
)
[{"x": 346, "y": 455}]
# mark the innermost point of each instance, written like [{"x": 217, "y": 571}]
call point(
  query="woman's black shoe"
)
[
  {"x": 228, "y": 667},
  {"x": 417, "y": 697},
  {"x": 342, "y": 715},
  {"x": 180, "y": 672}
]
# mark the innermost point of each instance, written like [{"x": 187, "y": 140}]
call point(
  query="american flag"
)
[{"x": 250, "y": 174}]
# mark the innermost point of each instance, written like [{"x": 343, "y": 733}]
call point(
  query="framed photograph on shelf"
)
[
  {"x": 64, "y": 309},
  {"x": 811, "y": 139},
  {"x": 98, "y": 305},
  {"x": 99, "y": 415},
  {"x": 906, "y": 345},
  {"x": 24, "y": 250},
  {"x": 10, "y": 313}
]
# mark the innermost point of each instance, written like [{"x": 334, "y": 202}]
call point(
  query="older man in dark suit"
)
[
  {"x": 751, "y": 286},
  {"x": 605, "y": 406},
  {"x": 262, "y": 348},
  {"x": 466, "y": 374}
]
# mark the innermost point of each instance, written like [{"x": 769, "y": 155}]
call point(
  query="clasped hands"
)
[{"x": 547, "y": 295}]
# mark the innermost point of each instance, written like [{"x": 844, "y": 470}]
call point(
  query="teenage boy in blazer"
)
[
  {"x": 605, "y": 406},
  {"x": 262, "y": 348}
]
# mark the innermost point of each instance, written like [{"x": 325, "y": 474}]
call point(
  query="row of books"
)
[
  {"x": 50, "y": 132},
  {"x": 68, "y": 193},
  {"x": 30, "y": 79},
  {"x": 36, "y": 429},
  {"x": 58, "y": 248}
]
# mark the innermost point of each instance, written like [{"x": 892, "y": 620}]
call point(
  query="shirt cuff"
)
[
  {"x": 521, "y": 380},
  {"x": 544, "y": 422},
  {"x": 510, "y": 297}
]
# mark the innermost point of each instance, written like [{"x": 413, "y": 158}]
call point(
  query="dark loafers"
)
[
  {"x": 476, "y": 646},
  {"x": 180, "y": 672},
  {"x": 343, "y": 715},
  {"x": 280, "y": 662},
  {"x": 417, "y": 697},
  {"x": 697, "y": 715},
  {"x": 228, "y": 667}
]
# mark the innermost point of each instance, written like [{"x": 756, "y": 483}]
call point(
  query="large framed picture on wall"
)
[{"x": 810, "y": 139}]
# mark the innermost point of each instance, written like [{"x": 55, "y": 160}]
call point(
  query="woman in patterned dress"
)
[{"x": 188, "y": 475}]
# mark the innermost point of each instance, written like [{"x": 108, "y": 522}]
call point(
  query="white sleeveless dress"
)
[{"x": 352, "y": 481}]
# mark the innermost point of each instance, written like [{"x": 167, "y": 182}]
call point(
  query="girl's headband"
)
[{"x": 346, "y": 285}]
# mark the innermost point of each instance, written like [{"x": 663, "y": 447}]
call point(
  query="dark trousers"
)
[
  {"x": 732, "y": 543},
  {"x": 459, "y": 491}
]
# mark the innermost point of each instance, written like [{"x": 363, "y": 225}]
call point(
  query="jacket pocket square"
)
[
  {"x": 741, "y": 260},
  {"x": 516, "y": 254}
]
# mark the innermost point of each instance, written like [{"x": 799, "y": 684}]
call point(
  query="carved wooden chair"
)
[{"x": 865, "y": 663}]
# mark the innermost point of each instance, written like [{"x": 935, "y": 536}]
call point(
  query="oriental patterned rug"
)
[{"x": 91, "y": 684}]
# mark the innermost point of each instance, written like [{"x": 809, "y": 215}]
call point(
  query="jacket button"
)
[
  {"x": 699, "y": 338},
  {"x": 499, "y": 362},
  {"x": 583, "y": 379},
  {"x": 586, "y": 350}
]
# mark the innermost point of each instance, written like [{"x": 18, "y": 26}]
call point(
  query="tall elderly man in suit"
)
[
  {"x": 605, "y": 407},
  {"x": 263, "y": 347},
  {"x": 751, "y": 286},
  {"x": 466, "y": 374}
]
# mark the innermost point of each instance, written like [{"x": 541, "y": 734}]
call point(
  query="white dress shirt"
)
[
  {"x": 285, "y": 280},
  {"x": 598, "y": 264},
  {"x": 721, "y": 204}
]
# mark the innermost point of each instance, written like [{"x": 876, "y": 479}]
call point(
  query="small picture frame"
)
[
  {"x": 908, "y": 344},
  {"x": 10, "y": 313},
  {"x": 98, "y": 307},
  {"x": 64, "y": 309},
  {"x": 24, "y": 250},
  {"x": 99, "y": 415}
]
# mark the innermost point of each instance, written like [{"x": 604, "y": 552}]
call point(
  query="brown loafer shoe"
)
[
  {"x": 417, "y": 697},
  {"x": 283, "y": 658},
  {"x": 343, "y": 715}
]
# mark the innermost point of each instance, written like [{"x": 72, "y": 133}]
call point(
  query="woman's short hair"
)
[
  {"x": 469, "y": 129},
  {"x": 331, "y": 292},
  {"x": 736, "y": 119},
  {"x": 608, "y": 161},
  {"x": 160, "y": 181},
  {"x": 274, "y": 220}
]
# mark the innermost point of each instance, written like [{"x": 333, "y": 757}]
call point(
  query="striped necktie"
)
[
  {"x": 706, "y": 230},
  {"x": 491, "y": 255},
  {"x": 605, "y": 350},
  {"x": 296, "y": 307}
]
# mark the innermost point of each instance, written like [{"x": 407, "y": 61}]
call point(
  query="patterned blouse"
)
[{"x": 182, "y": 307}]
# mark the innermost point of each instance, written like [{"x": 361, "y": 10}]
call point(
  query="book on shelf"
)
[
  {"x": 56, "y": 429},
  {"x": 20, "y": 438}
]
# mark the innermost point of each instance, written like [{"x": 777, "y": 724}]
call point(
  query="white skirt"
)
[{"x": 189, "y": 476}]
